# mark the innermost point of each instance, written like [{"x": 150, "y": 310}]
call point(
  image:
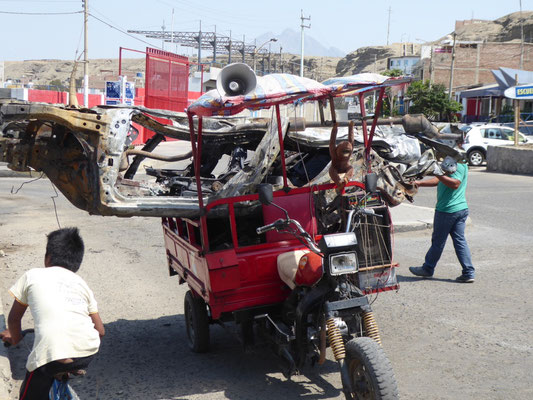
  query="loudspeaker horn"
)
[{"x": 236, "y": 79}]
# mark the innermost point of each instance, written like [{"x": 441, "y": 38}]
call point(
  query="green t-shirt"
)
[{"x": 450, "y": 200}]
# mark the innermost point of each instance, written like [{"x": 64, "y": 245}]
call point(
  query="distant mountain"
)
[{"x": 289, "y": 40}]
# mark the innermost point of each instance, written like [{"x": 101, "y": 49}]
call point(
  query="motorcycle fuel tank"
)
[{"x": 300, "y": 268}]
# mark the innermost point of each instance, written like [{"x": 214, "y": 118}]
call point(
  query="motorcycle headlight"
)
[{"x": 344, "y": 263}]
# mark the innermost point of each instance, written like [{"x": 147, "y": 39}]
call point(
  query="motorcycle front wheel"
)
[{"x": 370, "y": 370}]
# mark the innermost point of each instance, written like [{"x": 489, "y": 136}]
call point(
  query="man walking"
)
[{"x": 451, "y": 213}]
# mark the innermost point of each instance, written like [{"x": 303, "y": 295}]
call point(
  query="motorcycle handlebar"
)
[
  {"x": 284, "y": 223},
  {"x": 274, "y": 225}
]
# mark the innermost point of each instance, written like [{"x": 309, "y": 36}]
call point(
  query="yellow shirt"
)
[{"x": 61, "y": 303}]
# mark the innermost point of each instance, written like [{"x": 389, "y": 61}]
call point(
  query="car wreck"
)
[{"x": 88, "y": 155}]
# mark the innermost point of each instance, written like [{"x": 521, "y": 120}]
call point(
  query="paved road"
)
[{"x": 445, "y": 340}]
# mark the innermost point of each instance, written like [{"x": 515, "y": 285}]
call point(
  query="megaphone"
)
[{"x": 236, "y": 79}]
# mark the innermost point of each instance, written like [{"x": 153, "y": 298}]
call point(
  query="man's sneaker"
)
[
  {"x": 420, "y": 271},
  {"x": 465, "y": 279}
]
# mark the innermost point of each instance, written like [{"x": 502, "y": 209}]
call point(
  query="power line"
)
[
  {"x": 122, "y": 31},
  {"x": 30, "y": 13}
]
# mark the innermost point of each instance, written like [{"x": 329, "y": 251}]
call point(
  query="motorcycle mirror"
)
[
  {"x": 371, "y": 182},
  {"x": 265, "y": 193}
]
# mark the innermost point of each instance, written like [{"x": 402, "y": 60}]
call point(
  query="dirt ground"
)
[{"x": 445, "y": 340}]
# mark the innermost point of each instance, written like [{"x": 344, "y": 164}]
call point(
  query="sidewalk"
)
[{"x": 407, "y": 217}]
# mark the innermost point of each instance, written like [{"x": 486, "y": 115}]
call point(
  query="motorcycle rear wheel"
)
[
  {"x": 196, "y": 323},
  {"x": 370, "y": 370}
]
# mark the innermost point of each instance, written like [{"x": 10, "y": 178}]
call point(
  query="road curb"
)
[{"x": 7, "y": 173}]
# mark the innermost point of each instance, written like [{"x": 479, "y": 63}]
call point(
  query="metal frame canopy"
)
[{"x": 272, "y": 91}]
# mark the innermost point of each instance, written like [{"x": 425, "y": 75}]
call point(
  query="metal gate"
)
[{"x": 167, "y": 82}]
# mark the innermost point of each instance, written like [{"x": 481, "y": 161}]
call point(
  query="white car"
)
[{"x": 479, "y": 137}]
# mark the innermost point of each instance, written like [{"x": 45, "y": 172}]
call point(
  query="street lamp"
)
[{"x": 256, "y": 50}]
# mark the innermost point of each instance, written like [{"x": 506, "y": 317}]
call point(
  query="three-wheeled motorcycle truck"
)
[{"x": 291, "y": 264}]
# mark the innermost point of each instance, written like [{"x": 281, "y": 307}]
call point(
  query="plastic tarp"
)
[
  {"x": 286, "y": 88},
  {"x": 270, "y": 90},
  {"x": 353, "y": 84}
]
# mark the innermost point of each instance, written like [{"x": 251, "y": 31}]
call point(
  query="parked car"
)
[{"x": 479, "y": 137}]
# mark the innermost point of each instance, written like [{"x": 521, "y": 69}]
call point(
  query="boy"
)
[{"x": 68, "y": 327}]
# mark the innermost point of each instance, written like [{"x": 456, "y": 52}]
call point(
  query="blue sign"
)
[
  {"x": 112, "y": 90},
  {"x": 519, "y": 92},
  {"x": 130, "y": 91},
  {"x": 524, "y": 91}
]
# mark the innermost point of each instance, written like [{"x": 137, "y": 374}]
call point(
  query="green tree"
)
[
  {"x": 432, "y": 101},
  {"x": 393, "y": 73},
  {"x": 58, "y": 85},
  {"x": 389, "y": 109}
]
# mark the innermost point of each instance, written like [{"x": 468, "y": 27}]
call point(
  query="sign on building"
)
[
  {"x": 119, "y": 92},
  {"x": 524, "y": 92}
]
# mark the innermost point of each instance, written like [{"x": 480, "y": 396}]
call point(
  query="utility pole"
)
[
  {"x": 431, "y": 67},
  {"x": 172, "y": 31},
  {"x": 451, "y": 68},
  {"x": 85, "y": 55},
  {"x": 516, "y": 114},
  {"x": 388, "y": 26},
  {"x": 303, "y": 26},
  {"x": 521, "y": 38},
  {"x": 243, "y": 48},
  {"x": 200, "y": 47},
  {"x": 163, "y": 27},
  {"x": 229, "y": 48}
]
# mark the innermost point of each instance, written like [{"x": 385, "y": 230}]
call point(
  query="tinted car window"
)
[{"x": 493, "y": 133}]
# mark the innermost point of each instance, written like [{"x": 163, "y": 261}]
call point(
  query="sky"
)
[{"x": 345, "y": 24}]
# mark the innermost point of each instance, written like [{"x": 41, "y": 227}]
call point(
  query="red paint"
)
[{"x": 310, "y": 270}]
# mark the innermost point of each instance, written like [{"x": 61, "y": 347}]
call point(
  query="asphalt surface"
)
[{"x": 445, "y": 340}]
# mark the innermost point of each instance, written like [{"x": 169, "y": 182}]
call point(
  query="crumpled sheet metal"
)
[
  {"x": 82, "y": 151},
  {"x": 390, "y": 142},
  {"x": 266, "y": 153},
  {"x": 390, "y": 184}
]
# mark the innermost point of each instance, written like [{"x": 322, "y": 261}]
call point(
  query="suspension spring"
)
[
  {"x": 371, "y": 326},
  {"x": 335, "y": 340}
]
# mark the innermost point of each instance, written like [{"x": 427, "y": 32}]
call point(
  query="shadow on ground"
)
[{"x": 150, "y": 359}]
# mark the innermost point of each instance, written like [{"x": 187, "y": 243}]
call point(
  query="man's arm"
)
[
  {"x": 452, "y": 183},
  {"x": 98, "y": 324},
  {"x": 428, "y": 182},
  {"x": 13, "y": 333}
]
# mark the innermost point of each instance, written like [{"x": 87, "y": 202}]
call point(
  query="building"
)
[
  {"x": 488, "y": 102},
  {"x": 405, "y": 63},
  {"x": 474, "y": 61}
]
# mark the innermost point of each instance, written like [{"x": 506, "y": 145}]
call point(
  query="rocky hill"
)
[
  {"x": 504, "y": 29},
  {"x": 374, "y": 59}
]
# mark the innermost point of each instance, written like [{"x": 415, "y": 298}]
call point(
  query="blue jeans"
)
[{"x": 452, "y": 224}]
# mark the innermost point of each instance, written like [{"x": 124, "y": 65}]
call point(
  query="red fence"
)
[
  {"x": 167, "y": 80},
  {"x": 166, "y": 84},
  {"x": 53, "y": 97}
]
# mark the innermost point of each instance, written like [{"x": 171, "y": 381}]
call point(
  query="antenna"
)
[{"x": 388, "y": 26}]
